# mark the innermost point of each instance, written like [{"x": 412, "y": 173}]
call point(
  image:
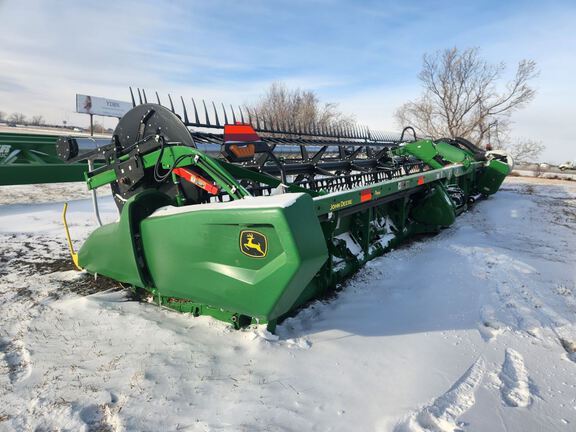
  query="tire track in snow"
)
[
  {"x": 490, "y": 327},
  {"x": 527, "y": 309},
  {"x": 442, "y": 415},
  {"x": 519, "y": 308},
  {"x": 104, "y": 417},
  {"x": 515, "y": 389},
  {"x": 17, "y": 360},
  {"x": 569, "y": 345}
]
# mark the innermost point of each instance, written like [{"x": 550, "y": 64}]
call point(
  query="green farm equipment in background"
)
[
  {"x": 27, "y": 158},
  {"x": 247, "y": 219}
]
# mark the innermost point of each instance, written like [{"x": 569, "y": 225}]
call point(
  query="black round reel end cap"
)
[{"x": 158, "y": 120}]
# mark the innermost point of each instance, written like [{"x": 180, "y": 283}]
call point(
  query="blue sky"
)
[{"x": 365, "y": 55}]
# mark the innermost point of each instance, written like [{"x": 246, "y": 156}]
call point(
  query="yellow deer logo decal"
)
[{"x": 253, "y": 244}]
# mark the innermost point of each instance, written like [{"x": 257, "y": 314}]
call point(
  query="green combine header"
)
[{"x": 247, "y": 219}]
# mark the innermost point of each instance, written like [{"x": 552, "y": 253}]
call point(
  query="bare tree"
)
[
  {"x": 465, "y": 96},
  {"x": 287, "y": 108},
  {"x": 18, "y": 118},
  {"x": 2, "y": 115},
  {"x": 37, "y": 120},
  {"x": 525, "y": 150},
  {"x": 99, "y": 128}
]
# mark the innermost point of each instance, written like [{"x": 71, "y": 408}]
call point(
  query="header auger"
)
[{"x": 251, "y": 221}]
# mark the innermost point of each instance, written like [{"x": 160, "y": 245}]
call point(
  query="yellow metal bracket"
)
[{"x": 70, "y": 246}]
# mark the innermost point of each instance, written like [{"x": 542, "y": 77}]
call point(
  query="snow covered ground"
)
[{"x": 473, "y": 329}]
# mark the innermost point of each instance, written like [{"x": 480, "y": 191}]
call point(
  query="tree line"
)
[
  {"x": 463, "y": 95},
  {"x": 19, "y": 118},
  {"x": 38, "y": 120}
]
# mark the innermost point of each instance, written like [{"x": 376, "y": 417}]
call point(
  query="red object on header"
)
[
  {"x": 240, "y": 133},
  {"x": 365, "y": 195},
  {"x": 197, "y": 180},
  {"x": 421, "y": 180}
]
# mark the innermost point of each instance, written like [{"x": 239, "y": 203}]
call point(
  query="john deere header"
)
[{"x": 246, "y": 219}]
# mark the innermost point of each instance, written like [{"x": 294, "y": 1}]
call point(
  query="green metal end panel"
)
[
  {"x": 110, "y": 249},
  {"x": 109, "y": 252},
  {"x": 493, "y": 176},
  {"x": 206, "y": 256}
]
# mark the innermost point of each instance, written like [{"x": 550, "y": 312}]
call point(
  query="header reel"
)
[{"x": 316, "y": 158}]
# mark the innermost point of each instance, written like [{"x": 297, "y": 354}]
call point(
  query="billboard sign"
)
[{"x": 101, "y": 106}]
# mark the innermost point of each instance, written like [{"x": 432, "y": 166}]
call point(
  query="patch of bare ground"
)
[
  {"x": 512, "y": 179},
  {"x": 27, "y": 255},
  {"x": 85, "y": 284}
]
